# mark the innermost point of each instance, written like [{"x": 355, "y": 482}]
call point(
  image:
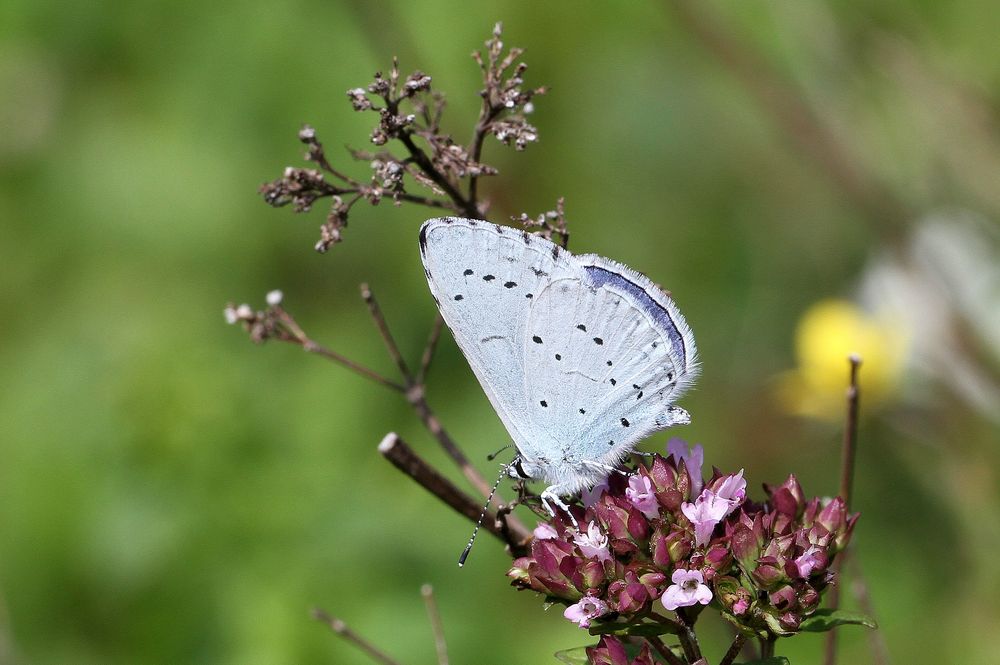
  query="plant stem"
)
[
  {"x": 846, "y": 487},
  {"x": 767, "y": 647},
  {"x": 664, "y": 650},
  {"x": 298, "y": 336},
  {"x": 427, "y": 591},
  {"x": 394, "y": 449},
  {"x": 734, "y": 649},
  {"x": 340, "y": 628}
]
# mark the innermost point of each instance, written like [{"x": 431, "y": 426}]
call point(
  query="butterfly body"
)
[{"x": 580, "y": 356}]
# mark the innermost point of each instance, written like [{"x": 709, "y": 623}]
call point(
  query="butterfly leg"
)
[{"x": 551, "y": 494}]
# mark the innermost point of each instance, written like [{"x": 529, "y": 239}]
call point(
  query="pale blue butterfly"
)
[{"x": 581, "y": 356}]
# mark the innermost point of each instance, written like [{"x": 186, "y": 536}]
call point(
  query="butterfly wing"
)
[
  {"x": 581, "y": 357},
  {"x": 609, "y": 354},
  {"x": 484, "y": 278}
]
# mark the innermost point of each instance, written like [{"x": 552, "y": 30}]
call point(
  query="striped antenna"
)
[{"x": 479, "y": 522}]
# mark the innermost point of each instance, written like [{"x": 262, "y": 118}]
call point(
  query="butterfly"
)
[{"x": 580, "y": 356}]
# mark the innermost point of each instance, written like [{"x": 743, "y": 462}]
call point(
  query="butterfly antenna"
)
[
  {"x": 493, "y": 456},
  {"x": 479, "y": 522}
]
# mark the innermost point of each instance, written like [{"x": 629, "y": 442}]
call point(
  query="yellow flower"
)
[{"x": 829, "y": 332}]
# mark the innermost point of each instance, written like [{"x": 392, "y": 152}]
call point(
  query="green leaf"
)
[
  {"x": 774, "y": 660},
  {"x": 826, "y": 619},
  {"x": 577, "y": 656}
]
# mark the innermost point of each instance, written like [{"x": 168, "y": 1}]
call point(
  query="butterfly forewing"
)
[{"x": 484, "y": 278}]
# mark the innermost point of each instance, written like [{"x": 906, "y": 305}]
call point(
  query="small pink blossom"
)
[
  {"x": 740, "y": 606},
  {"x": 810, "y": 560},
  {"x": 733, "y": 489},
  {"x": 687, "y": 589},
  {"x": 545, "y": 531},
  {"x": 591, "y": 496},
  {"x": 585, "y": 610},
  {"x": 593, "y": 544},
  {"x": 642, "y": 494},
  {"x": 707, "y": 510},
  {"x": 694, "y": 459}
]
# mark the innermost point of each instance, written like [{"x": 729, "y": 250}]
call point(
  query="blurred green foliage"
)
[{"x": 170, "y": 493}]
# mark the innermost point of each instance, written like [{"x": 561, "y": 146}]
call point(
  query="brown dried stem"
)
[
  {"x": 394, "y": 449},
  {"x": 340, "y": 628},
  {"x": 688, "y": 639},
  {"x": 734, "y": 649},
  {"x": 296, "y": 335},
  {"x": 440, "y": 646},
  {"x": 664, "y": 650},
  {"x": 846, "y": 486},
  {"x": 429, "y": 348},
  {"x": 415, "y": 395}
]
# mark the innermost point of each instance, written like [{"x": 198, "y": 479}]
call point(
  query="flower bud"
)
[{"x": 787, "y": 498}]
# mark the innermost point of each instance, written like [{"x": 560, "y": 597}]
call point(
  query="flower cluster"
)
[{"x": 663, "y": 535}]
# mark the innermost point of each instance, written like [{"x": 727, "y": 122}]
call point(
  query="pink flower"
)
[
  {"x": 591, "y": 496},
  {"x": 740, "y": 606},
  {"x": 545, "y": 531},
  {"x": 810, "y": 560},
  {"x": 715, "y": 502},
  {"x": 707, "y": 510},
  {"x": 642, "y": 494},
  {"x": 687, "y": 589},
  {"x": 585, "y": 610},
  {"x": 693, "y": 461},
  {"x": 733, "y": 488},
  {"x": 593, "y": 544}
]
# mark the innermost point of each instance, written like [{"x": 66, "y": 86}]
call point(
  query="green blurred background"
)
[{"x": 170, "y": 493}]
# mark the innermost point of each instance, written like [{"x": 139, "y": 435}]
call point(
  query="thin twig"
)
[
  {"x": 689, "y": 641},
  {"x": 298, "y": 336},
  {"x": 340, "y": 628},
  {"x": 850, "y": 433},
  {"x": 486, "y": 116},
  {"x": 664, "y": 650},
  {"x": 383, "y": 331},
  {"x": 420, "y": 158},
  {"x": 416, "y": 396},
  {"x": 394, "y": 449},
  {"x": 427, "y": 591},
  {"x": 846, "y": 486},
  {"x": 429, "y": 349},
  {"x": 734, "y": 649}
]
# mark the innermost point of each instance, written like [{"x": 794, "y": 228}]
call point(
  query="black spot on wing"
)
[
  {"x": 582, "y": 327},
  {"x": 539, "y": 272},
  {"x": 544, "y": 403},
  {"x": 459, "y": 297},
  {"x": 488, "y": 278},
  {"x": 467, "y": 272},
  {"x": 558, "y": 357},
  {"x": 598, "y": 341},
  {"x": 625, "y": 422},
  {"x": 536, "y": 339},
  {"x": 509, "y": 285}
]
